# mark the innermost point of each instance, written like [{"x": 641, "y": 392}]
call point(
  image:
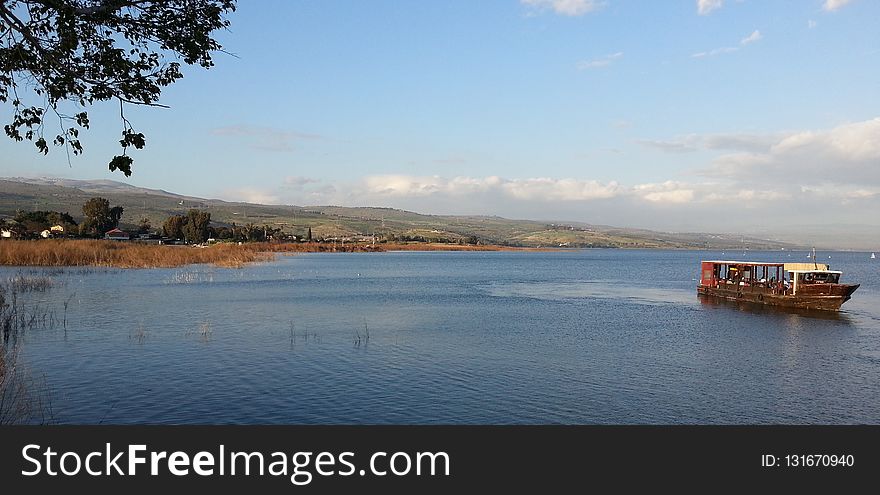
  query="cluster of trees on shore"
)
[
  {"x": 37, "y": 221},
  {"x": 194, "y": 227},
  {"x": 471, "y": 240},
  {"x": 98, "y": 218}
]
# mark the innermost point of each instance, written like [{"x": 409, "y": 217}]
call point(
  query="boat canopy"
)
[
  {"x": 808, "y": 267},
  {"x": 750, "y": 263},
  {"x": 816, "y": 271},
  {"x": 789, "y": 267}
]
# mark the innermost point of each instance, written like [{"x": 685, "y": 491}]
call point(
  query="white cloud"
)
[
  {"x": 252, "y": 195},
  {"x": 555, "y": 190},
  {"x": 739, "y": 141},
  {"x": 708, "y": 194},
  {"x": 673, "y": 146},
  {"x": 846, "y": 154},
  {"x": 855, "y": 142},
  {"x": 733, "y": 141},
  {"x": 755, "y": 36},
  {"x": 566, "y": 7},
  {"x": 717, "y": 51},
  {"x": 733, "y": 164},
  {"x": 833, "y": 5},
  {"x": 599, "y": 62},
  {"x": 411, "y": 186},
  {"x": 704, "y": 7},
  {"x": 560, "y": 189},
  {"x": 743, "y": 197},
  {"x": 848, "y": 194},
  {"x": 544, "y": 189},
  {"x": 665, "y": 192}
]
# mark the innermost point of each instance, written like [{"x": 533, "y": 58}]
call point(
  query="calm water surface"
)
[{"x": 593, "y": 336}]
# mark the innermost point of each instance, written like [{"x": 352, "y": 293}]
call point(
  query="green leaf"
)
[
  {"x": 42, "y": 146},
  {"x": 121, "y": 163}
]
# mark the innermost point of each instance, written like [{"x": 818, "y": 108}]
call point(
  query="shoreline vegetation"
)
[
  {"x": 112, "y": 254},
  {"x": 24, "y": 397}
]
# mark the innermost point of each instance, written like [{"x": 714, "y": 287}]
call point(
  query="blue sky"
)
[{"x": 674, "y": 115}]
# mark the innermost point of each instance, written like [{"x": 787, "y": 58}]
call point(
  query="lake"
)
[{"x": 575, "y": 337}]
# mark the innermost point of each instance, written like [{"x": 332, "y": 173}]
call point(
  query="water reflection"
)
[{"x": 767, "y": 310}]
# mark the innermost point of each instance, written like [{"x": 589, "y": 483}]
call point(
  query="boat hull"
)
[{"x": 829, "y": 298}]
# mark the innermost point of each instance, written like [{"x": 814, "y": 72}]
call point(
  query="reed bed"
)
[
  {"x": 23, "y": 399},
  {"x": 24, "y": 283},
  {"x": 67, "y": 252},
  {"x": 81, "y": 252}
]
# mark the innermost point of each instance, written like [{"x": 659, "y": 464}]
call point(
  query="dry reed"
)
[
  {"x": 122, "y": 254},
  {"x": 80, "y": 252}
]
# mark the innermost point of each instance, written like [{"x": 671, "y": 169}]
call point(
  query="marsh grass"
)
[
  {"x": 66, "y": 252},
  {"x": 205, "y": 331},
  {"x": 26, "y": 283},
  {"x": 139, "y": 334},
  {"x": 15, "y": 318},
  {"x": 190, "y": 277},
  {"x": 83, "y": 252},
  {"x": 66, "y": 305},
  {"x": 362, "y": 339},
  {"x": 304, "y": 336},
  {"x": 23, "y": 398}
]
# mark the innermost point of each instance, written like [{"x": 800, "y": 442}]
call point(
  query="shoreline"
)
[{"x": 133, "y": 254}]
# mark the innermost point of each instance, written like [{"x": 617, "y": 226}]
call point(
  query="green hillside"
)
[{"x": 334, "y": 221}]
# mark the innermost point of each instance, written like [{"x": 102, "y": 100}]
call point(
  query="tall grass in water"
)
[
  {"x": 23, "y": 283},
  {"x": 22, "y": 398},
  {"x": 362, "y": 338}
]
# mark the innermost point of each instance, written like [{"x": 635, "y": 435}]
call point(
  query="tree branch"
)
[
  {"x": 15, "y": 23},
  {"x": 101, "y": 8},
  {"x": 142, "y": 103}
]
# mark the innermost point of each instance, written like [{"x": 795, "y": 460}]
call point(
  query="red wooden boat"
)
[{"x": 793, "y": 285}]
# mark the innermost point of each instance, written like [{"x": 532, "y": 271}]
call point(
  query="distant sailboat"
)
[{"x": 873, "y": 256}]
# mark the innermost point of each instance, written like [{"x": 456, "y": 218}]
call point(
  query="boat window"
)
[{"x": 821, "y": 278}]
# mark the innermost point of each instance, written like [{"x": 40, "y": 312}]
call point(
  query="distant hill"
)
[{"x": 68, "y": 195}]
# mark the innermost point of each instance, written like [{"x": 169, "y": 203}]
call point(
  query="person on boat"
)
[{"x": 731, "y": 274}]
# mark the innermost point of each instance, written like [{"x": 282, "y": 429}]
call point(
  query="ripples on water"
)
[{"x": 595, "y": 336}]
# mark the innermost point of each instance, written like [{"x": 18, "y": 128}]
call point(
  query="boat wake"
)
[{"x": 554, "y": 291}]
